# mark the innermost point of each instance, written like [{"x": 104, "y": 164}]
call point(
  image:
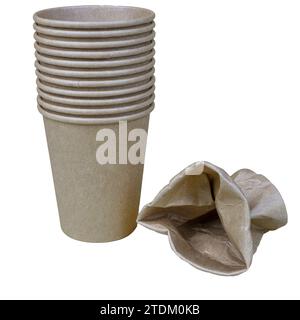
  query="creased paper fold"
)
[{"x": 215, "y": 221}]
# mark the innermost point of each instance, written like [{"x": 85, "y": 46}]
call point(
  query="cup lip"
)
[
  {"x": 78, "y": 83},
  {"x": 89, "y": 102},
  {"x": 111, "y": 110},
  {"x": 94, "y": 33},
  {"x": 94, "y": 73},
  {"x": 65, "y": 43},
  {"x": 43, "y": 17},
  {"x": 96, "y": 93},
  {"x": 94, "y": 120},
  {"x": 94, "y": 54},
  {"x": 116, "y": 62}
]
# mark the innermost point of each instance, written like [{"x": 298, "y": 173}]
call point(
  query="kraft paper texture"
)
[
  {"x": 96, "y": 203},
  {"x": 215, "y": 221}
]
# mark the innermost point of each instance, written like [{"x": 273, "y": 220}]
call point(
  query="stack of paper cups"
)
[{"x": 95, "y": 82}]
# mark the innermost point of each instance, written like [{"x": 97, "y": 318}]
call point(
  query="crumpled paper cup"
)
[{"x": 215, "y": 221}]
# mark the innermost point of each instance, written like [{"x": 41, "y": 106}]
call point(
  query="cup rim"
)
[
  {"x": 78, "y": 83},
  {"x": 93, "y": 120},
  {"x": 94, "y": 73},
  {"x": 93, "y": 102},
  {"x": 94, "y": 33},
  {"x": 115, "y": 62},
  {"x": 96, "y": 93},
  {"x": 139, "y": 16},
  {"x": 94, "y": 54},
  {"x": 65, "y": 43},
  {"x": 120, "y": 109}
]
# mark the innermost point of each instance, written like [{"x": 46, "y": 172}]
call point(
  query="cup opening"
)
[{"x": 94, "y": 15}]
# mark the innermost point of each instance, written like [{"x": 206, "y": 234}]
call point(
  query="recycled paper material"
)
[
  {"x": 96, "y": 203},
  {"x": 95, "y": 72},
  {"x": 215, "y": 221}
]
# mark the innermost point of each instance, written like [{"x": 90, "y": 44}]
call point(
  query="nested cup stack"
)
[{"x": 95, "y": 82}]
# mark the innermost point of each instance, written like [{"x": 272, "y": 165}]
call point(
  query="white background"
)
[{"x": 228, "y": 76}]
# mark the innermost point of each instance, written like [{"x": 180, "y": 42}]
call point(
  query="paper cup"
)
[
  {"x": 94, "y": 33},
  {"x": 96, "y": 202},
  {"x": 94, "y": 43},
  {"x": 81, "y": 111},
  {"x": 94, "y": 54},
  {"x": 110, "y": 82},
  {"x": 96, "y": 93},
  {"x": 93, "y": 17},
  {"x": 91, "y": 102},
  {"x": 94, "y": 73},
  {"x": 91, "y": 64},
  {"x": 86, "y": 111}
]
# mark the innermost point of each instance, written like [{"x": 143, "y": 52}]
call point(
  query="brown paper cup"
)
[
  {"x": 94, "y": 64},
  {"x": 96, "y": 92},
  {"x": 96, "y": 202},
  {"x": 94, "y": 43},
  {"x": 94, "y": 54},
  {"x": 94, "y": 33},
  {"x": 96, "y": 120},
  {"x": 94, "y": 73},
  {"x": 93, "y": 17},
  {"x": 118, "y": 109},
  {"x": 92, "y": 83},
  {"x": 91, "y": 102}
]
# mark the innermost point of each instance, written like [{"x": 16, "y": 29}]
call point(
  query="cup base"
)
[{"x": 98, "y": 240}]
